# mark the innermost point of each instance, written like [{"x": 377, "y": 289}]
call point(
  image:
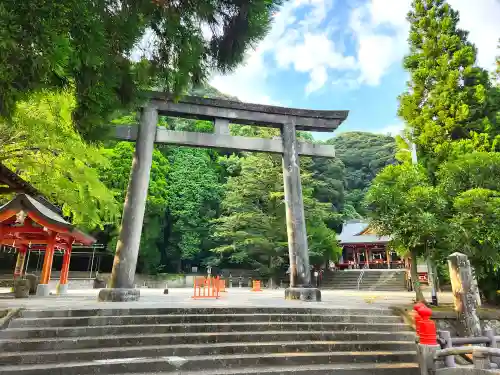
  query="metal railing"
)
[
  {"x": 360, "y": 277},
  {"x": 488, "y": 355}
]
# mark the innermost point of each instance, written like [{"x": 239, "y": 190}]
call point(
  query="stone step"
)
[
  {"x": 16, "y": 345},
  {"x": 367, "y": 280},
  {"x": 61, "y": 313},
  {"x": 65, "y": 356},
  {"x": 143, "y": 329},
  {"x": 355, "y": 283},
  {"x": 364, "y": 280},
  {"x": 159, "y": 364},
  {"x": 190, "y": 318},
  {"x": 375, "y": 277},
  {"x": 379, "y": 288},
  {"x": 337, "y": 369}
]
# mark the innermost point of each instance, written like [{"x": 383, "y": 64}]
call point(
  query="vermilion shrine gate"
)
[
  {"x": 221, "y": 112},
  {"x": 28, "y": 225}
]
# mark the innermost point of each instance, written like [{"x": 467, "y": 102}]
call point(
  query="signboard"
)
[{"x": 422, "y": 277}]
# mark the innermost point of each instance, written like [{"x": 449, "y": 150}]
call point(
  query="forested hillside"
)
[{"x": 363, "y": 155}]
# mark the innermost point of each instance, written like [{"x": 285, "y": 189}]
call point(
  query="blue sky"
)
[{"x": 346, "y": 54}]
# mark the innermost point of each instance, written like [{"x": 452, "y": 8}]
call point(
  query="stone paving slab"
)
[{"x": 235, "y": 297}]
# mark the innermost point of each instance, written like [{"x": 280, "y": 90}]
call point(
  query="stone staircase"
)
[
  {"x": 373, "y": 280},
  {"x": 208, "y": 341}
]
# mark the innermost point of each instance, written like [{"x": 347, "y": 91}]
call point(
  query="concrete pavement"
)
[{"x": 87, "y": 298}]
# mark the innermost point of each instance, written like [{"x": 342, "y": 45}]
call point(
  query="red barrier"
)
[
  {"x": 222, "y": 286},
  {"x": 427, "y": 330},
  {"x": 206, "y": 287},
  {"x": 256, "y": 286}
]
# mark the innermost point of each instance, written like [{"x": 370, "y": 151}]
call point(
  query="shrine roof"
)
[
  {"x": 359, "y": 232},
  {"x": 44, "y": 216}
]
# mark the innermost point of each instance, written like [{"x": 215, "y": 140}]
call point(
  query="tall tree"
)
[
  {"x": 194, "y": 196},
  {"x": 448, "y": 96},
  {"x": 40, "y": 143},
  {"x": 403, "y": 204},
  {"x": 472, "y": 187},
  {"x": 252, "y": 228},
  {"x": 116, "y": 177},
  {"x": 93, "y": 44}
]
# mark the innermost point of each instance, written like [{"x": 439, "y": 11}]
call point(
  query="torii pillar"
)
[
  {"x": 221, "y": 112},
  {"x": 298, "y": 251},
  {"x": 121, "y": 285}
]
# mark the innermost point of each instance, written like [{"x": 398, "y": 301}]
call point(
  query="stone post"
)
[
  {"x": 300, "y": 273},
  {"x": 42, "y": 288},
  {"x": 425, "y": 357},
  {"x": 121, "y": 284},
  {"x": 464, "y": 293},
  {"x": 221, "y": 126},
  {"x": 21, "y": 256},
  {"x": 62, "y": 288}
]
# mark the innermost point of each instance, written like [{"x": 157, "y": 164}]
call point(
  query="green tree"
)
[
  {"x": 116, "y": 177},
  {"x": 40, "y": 143},
  {"x": 92, "y": 45},
  {"x": 194, "y": 196},
  {"x": 252, "y": 228},
  {"x": 471, "y": 185},
  {"x": 448, "y": 96},
  {"x": 328, "y": 176},
  {"x": 403, "y": 204}
]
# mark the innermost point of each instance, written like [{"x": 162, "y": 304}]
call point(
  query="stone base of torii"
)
[{"x": 221, "y": 112}]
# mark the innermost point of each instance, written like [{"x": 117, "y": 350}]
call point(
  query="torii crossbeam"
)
[{"x": 221, "y": 112}]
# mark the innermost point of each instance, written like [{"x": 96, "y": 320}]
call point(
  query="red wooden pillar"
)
[
  {"x": 367, "y": 260},
  {"x": 21, "y": 256},
  {"x": 63, "y": 281},
  {"x": 43, "y": 287}
]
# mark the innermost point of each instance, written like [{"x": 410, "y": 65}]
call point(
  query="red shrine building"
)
[
  {"x": 28, "y": 225},
  {"x": 362, "y": 247}
]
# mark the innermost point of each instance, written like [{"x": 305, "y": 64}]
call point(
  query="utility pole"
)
[{"x": 430, "y": 266}]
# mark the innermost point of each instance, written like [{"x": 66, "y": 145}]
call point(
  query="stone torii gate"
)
[{"x": 221, "y": 112}]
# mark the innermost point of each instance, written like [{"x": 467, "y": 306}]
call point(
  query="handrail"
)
[
  {"x": 468, "y": 350},
  {"x": 360, "y": 277},
  {"x": 490, "y": 350}
]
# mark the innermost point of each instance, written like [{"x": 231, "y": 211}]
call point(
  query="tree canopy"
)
[
  {"x": 363, "y": 155},
  {"x": 451, "y": 109},
  {"x": 449, "y": 97},
  {"x": 108, "y": 50},
  {"x": 403, "y": 204},
  {"x": 39, "y": 143},
  {"x": 252, "y": 228}
]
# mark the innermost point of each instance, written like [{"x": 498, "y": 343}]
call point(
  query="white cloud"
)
[
  {"x": 313, "y": 54},
  {"x": 378, "y": 50},
  {"x": 292, "y": 44},
  {"x": 379, "y": 29},
  {"x": 481, "y": 19},
  {"x": 393, "y": 129}
]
